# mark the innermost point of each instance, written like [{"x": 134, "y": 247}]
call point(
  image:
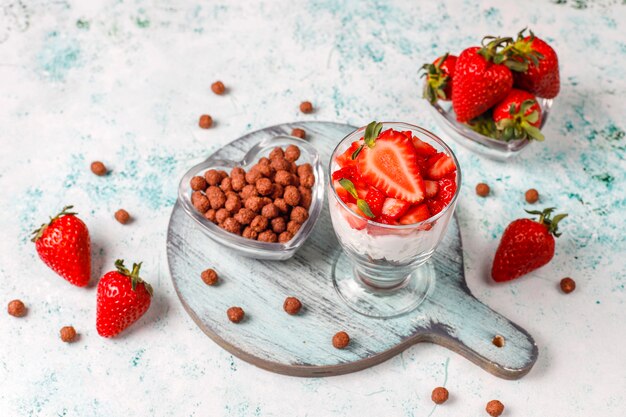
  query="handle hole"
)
[{"x": 498, "y": 341}]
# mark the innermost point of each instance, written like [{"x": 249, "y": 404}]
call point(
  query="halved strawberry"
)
[
  {"x": 343, "y": 194},
  {"x": 345, "y": 159},
  {"x": 415, "y": 214},
  {"x": 439, "y": 166},
  {"x": 431, "y": 188},
  {"x": 394, "y": 208},
  {"x": 355, "y": 222},
  {"x": 447, "y": 188},
  {"x": 391, "y": 166},
  {"x": 422, "y": 147},
  {"x": 375, "y": 200}
]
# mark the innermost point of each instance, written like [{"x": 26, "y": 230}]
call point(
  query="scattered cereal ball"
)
[
  {"x": 304, "y": 169},
  {"x": 494, "y": 408},
  {"x": 209, "y": 276},
  {"x": 270, "y": 211},
  {"x": 221, "y": 215},
  {"x": 283, "y": 177},
  {"x": 254, "y": 203},
  {"x": 306, "y": 197},
  {"x": 532, "y": 196},
  {"x": 293, "y": 227},
  {"x": 277, "y": 191},
  {"x": 268, "y": 236},
  {"x": 291, "y": 195},
  {"x": 341, "y": 340},
  {"x": 259, "y": 224},
  {"x": 299, "y": 133},
  {"x": 568, "y": 285},
  {"x": 248, "y": 191},
  {"x": 245, "y": 216},
  {"x": 292, "y": 153},
  {"x": 248, "y": 233},
  {"x": 279, "y": 224},
  {"x": 123, "y": 217},
  {"x": 201, "y": 203},
  {"x": 16, "y": 308},
  {"x": 482, "y": 189},
  {"x": 231, "y": 225},
  {"x": 306, "y": 107},
  {"x": 253, "y": 175},
  {"x": 212, "y": 177},
  {"x": 233, "y": 203},
  {"x": 280, "y": 164},
  {"x": 210, "y": 215},
  {"x": 68, "y": 334},
  {"x": 282, "y": 205},
  {"x": 285, "y": 237},
  {"x": 235, "y": 314},
  {"x": 264, "y": 186},
  {"x": 277, "y": 152},
  {"x": 98, "y": 168},
  {"x": 198, "y": 183},
  {"x": 307, "y": 180},
  {"x": 292, "y": 305},
  {"x": 439, "y": 395},
  {"x": 226, "y": 185},
  {"x": 216, "y": 197},
  {"x": 218, "y": 88},
  {"x": 299, "y": 214},
  {"x": 205, "y": 121}
]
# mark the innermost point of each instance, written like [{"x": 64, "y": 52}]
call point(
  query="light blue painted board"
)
[{"x": 301, "y": 345}]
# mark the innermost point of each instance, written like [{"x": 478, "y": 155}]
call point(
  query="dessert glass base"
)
[{"x": 372, "y": 296}]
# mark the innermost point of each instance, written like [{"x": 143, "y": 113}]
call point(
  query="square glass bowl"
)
[
  {"x": 248, "y": 247},
  {"x": 491, "y": 148}
]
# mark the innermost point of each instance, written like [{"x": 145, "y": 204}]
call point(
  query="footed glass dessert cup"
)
[{"x": 384, "y": 270}]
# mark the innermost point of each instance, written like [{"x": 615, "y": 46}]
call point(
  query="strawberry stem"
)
[
  {"x": 551, "y": 223},
  {"x": 135, "y": 279},
  {"x": 39, "y": 232}
]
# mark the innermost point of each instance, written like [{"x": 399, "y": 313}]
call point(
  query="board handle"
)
[{"x": 487, "y": 338}]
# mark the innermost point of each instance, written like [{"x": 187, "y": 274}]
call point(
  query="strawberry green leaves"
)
[
  {"x": 360, "y": 203},
  {"x": 372, "y": 131}
]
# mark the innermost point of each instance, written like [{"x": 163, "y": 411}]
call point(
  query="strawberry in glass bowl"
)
[{"x": 393, "y": 189}]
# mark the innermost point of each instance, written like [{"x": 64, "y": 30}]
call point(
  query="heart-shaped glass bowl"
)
[
  {"x": 484, "y": 145},
  {"x": 248, "y": 247}
]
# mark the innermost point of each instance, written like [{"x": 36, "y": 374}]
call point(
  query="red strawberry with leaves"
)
[
  {"x": 64, "y": 245},
  {"x": 482, "y": 78},
  {"x": 526, "y": 245},
  {"x": 439, "y": 77},
  {"x": 518, "y": 116},
  {"x": 123, "y": 297},
  {"x": 542, "y": 75}
]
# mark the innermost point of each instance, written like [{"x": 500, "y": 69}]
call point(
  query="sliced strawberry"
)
[
  {"x": 415, "y": 214},
  {"x": 385, "y": 219},
  {"x": 345, "y": 159},
  {"x": 394, "y": 208},
  {"x": 375, "y": 200},
  {"x": 391, "y": 166},
  {"x": 447, "y": 188},
  {"x": 431, "y": 188},
  {"x": 343, "y": 194},
  {"x": 355, "y": 222},
  {"x": 351, "y": 172},
  {"x": 423, "y": 148},
  {"x": 439, "y": 166}
]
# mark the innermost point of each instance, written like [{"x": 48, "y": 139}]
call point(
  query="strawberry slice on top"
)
[
  {"x": 439, "y": 166},
  {"x": 390, "y": 165}
]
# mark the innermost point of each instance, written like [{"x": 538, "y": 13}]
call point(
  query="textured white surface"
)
[{"x": 125, "y": 82}]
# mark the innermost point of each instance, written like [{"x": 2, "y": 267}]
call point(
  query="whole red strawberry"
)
[
  {"x": 526, "y": 245},
  {"x": 439, "y": 77},
  {"x": 518, "y": 116},
  {"x": 123, "y": 297},
  {"x": 542, "y": 76},
  {"x": 64, "y": 245},
  {"x": 482, "y": 78}
]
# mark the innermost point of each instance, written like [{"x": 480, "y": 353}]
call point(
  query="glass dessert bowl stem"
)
[{"x": 384, "y": 270}]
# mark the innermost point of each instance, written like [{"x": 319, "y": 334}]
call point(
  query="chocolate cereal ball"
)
[
  {"x": 306, "y": 107},
  {"x": 268, "y": 236},
  {"x": 233, "y": 203},
  {"x": 306, "y": 197},
  {"x": 270, "y": 211},
  {"x": 253, "y": 175},
  {"x": 291, "y": 195},
  {"x": 218, "y": 88},
  {"x": 278, "y": 224},
  {"x": 283, "y": 177},
  {"x": 293, "y": 227},
  {"x": 281, "y": 164},
  {"x": 299, "y": 214},
  {"x": 341, "y": 340},
  {"x": 122, "y": 216},
  {"x": 494, "y": 408},
  {"x": 201, "y": 203},
  {"x": 235, "y": 314},
  {"x": 307, "y": 180},
  {"x": 285, "y": 237},
  {"x": 205, "y": 121},
  {"x": 198, "y": 183},
  {"x": 216, "y": 196},
  {"x": 264, "y": 186},
  {"x": 212, "y": 177},
  {"x": 68, "y": 334},
  {"x": 209, "y": 276},
  {"x": 299, "y": 133},
  {"x": 277, "y": 191},
  {"x": 249, "y": 191},
  {"x": 231, "y": 225},
  {"x": 98, "y": 168},
  {"x": 532, "y": 196},
  {"x": 221, "y": 215},
  {"x": 259, "y": 224},
  {"x": 245, "y": 216},
  {"x": 304, "y": 169},
  {"x": 292, "y": 305},
  {"x": 248, "y": 233},
  {"x": 282, "y": 205},
  {"x": 439, "y": 395},
  {"x": 254, "y": 203},
  {"x": 264, "y": 161},
  {"x": 226, "y": 185},
  {"x": 277, "y": 152},
  {"x": 210, "y": 215},
  {"x": 16, "y": 308},
  {"x": 292, "y": 153}
]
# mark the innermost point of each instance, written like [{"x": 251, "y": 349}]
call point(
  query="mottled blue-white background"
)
[{"x": 125, "y": 81}]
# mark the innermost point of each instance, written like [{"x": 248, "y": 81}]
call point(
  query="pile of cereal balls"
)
[{"x": 268, "y": 203}]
